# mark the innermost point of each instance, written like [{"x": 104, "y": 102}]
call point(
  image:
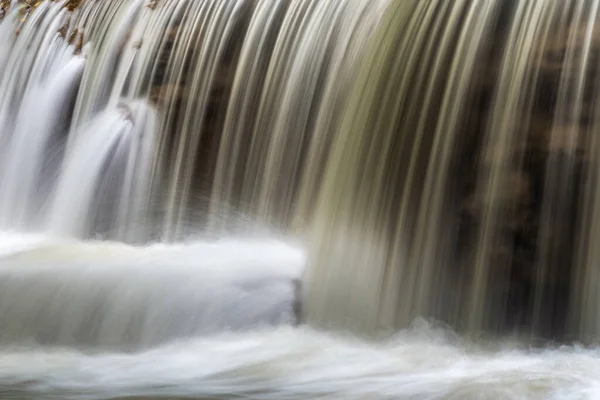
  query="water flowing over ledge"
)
[
  {"x": 110, "y": 295},
  {"x": 438, "y": 158}
]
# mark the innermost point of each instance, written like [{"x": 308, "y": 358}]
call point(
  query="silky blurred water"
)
[
  {"x": 299, "y": 363},
  {"x": 213, "y": 320},
  {"x": 86, "y": 294}
]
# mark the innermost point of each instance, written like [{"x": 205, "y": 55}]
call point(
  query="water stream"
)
[{"x": 311, "y": 199}]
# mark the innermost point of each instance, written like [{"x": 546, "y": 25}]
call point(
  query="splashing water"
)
[
  {"x": 106, "y": 161},
  {"x": 107, "y": 294},
  {"x": 295, "y": 364},
  {"x": 435, "y": 158}
]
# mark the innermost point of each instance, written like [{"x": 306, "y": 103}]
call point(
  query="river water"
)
[
  {"x": 436, "y": 158},
  {"x": 300, "y": 363},
  {"x": 122, "y": 322}
]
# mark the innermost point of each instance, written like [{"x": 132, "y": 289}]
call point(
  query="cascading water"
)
[
  {"x": 463, "y": 174},
  {"x": 108, "y": 162},
  {"x": 433, "y": 158}
]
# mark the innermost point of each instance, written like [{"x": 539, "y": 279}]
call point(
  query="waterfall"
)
[
  {"x": 130, "y": 122},
  {"x": 383, "y": 199},
  {"x": 461, "y": 185},
  {"x": 436, "y": 158},
  {"x": 275, "y": 199},
  {"x": 223, "y": 79},
  {"x": 108, "y": 162}
]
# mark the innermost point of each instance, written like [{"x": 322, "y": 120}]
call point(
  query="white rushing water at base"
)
[
  {"x": 105, "y": 320},
  {"x": 297, "y": 363},
  {"x": 111, "y": 295}
]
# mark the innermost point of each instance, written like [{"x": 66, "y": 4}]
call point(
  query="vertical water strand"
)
[
  {"x": 43, "y": 16},
  {"x": 416, "y": 256},
  {"x": 133, "y": 208},
  {"x": 8, "y": 27},
  {"x": 108, "y": 41},
  {"x": 585, "y": 293},
  {"x": 292, "y": 122},
  {"x": 51, "y": 82},
  {"x": 138, "y": 58},
  {"x": 563, "y": 170},
  {"x": 428, "y": 254},
  {"x": 395, "y": 169},
  {"x": 19, "y": 62},
  {"x": 129, "y": 59},
  {"x": 122, "y": 55},
  {"x": 347, "y": 263},
  {"x": 174, "y": 69},
  {"x": 503, "y": 148},
  {"x": 204, "y": 34},
  {"x": 137, "y": 148},
  {"x": 169, "y": 91},
  {"x": 301, "y": 71},
  {"x": 352, "y": 41},
  {"x": 151, "y": 42},
  {"x": 427, "y": 65},
  {"x": 31, "y": 164},
  {"x": 294, "y": 31},
  {"x": 87, "y": 169},
  {"x": 173, "y": 83},
  {"x": 211, "y": 28},
  {"x": 400, "y": 132},
  {"x": 251, "y": 72},
  {"x": 150, "y": 80}
]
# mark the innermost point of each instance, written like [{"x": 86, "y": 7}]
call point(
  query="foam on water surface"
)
[
  {"x": 300, "y": 363},
  {"x": 100, "y": 320},
  {"x": 89, "y": 294}
]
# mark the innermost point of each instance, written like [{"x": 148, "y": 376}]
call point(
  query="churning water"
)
[
  {"x": 213, "y": 319},
  {"x": 210, "y": 319},
  {"x": 110, "y": 295},
  {"x": 287, "y": 363},
  {"x": 417, "y": 159}
]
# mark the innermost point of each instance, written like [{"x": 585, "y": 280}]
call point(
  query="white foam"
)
[
  {"x": 299, "y": 363},
  {"x": 68, "y": 292},
  {"x": 190, "y": 301}
]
